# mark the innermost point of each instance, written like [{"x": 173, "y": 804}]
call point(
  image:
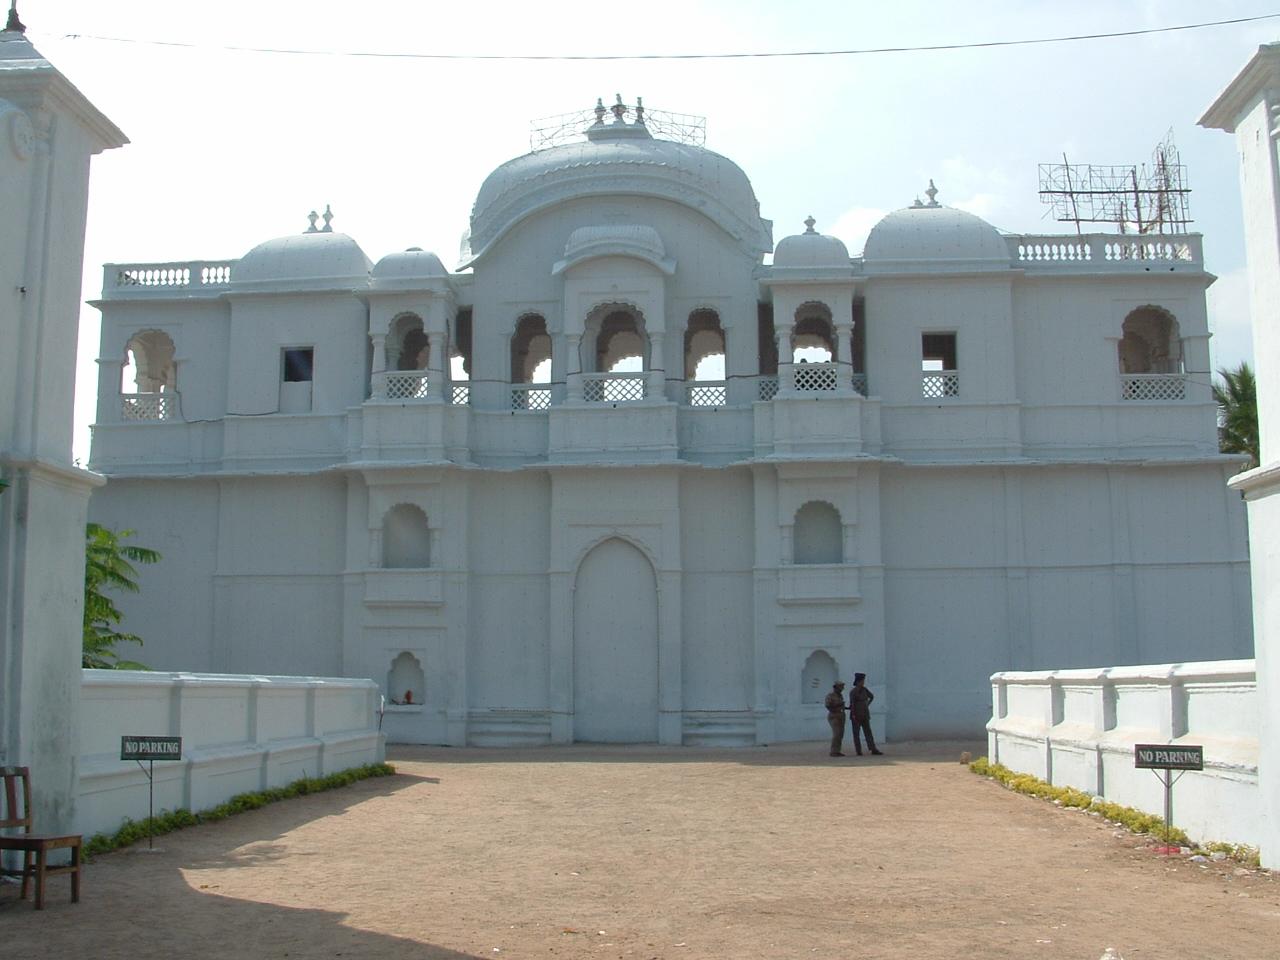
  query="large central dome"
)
[{"x": 619, "y": 158}]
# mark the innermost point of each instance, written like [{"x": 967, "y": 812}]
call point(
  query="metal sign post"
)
[
  {"x": 151, "y": 749},
  {"x": 1163, "y": 759}
]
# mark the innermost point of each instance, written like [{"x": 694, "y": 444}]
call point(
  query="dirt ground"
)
[{"x": 644, "y": 852}]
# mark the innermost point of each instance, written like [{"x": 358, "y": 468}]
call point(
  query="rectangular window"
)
[
  {"x": 939, "y": 376},
  {"x": 298, "y": 364}
]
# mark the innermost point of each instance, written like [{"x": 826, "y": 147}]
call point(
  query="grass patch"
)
[{"x": 131, "y": 831}]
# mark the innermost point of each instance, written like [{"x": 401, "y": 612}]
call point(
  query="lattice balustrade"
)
[
  {"x": 860, "y": 384},
  {"x": 530, "y": 398},
  {"x": 1053, "y": 249},
  {"x": 707, "y": 394},
  {"x": 768, "y": 388},
  {"x": 143, "y": 407},
  {"x": 813, "y": 377},
  {"x": 1153, "y": 386},
  {"x": 161, "y": 276},
  {"x": 1148, "y": 248},
  {"x": 613, "y": 387},
  {"x": 407, "y": 386},
  {"x": 460, "y": 394},
  {"x": 940, "y": 385}
]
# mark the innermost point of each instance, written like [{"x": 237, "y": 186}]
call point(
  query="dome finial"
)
[
  {"x": 808, "y": 224},
  {"x": 932, "y": 194},
  {"x": 600, "y": 111},
  {"x": 328, "y": 217},
  {"x": 14, "y": 25},
  {"x": 313, "y": 217},
  {"x": 640, "y": 110},
  {"x": 619, "y": 109}
]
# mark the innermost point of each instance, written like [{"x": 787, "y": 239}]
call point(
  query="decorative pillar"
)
[
  {"x": 574, "y": 377},
  {"x": 379, "y": 341},
  {"x": 656, "y": 380},
  {"x": 436, "y": 371},
  {"x": 786, "y": 369}
]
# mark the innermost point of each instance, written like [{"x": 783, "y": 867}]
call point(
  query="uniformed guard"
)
[
  {"x": 860, "y": 713},
  {"x": 835, "y": 716}
]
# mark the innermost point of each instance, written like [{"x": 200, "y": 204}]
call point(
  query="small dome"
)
[
  {"x": 412, "y": 264},
  {"x": 305, "y": 259},
  {"x": 810, "y": 250},
  {"x": 933, "y": 233}
]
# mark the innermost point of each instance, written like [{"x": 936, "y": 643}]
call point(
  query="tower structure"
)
[{"x": 48, "y": 132}]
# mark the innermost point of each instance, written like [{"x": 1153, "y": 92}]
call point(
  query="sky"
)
[{"x": 232, "y": 148}]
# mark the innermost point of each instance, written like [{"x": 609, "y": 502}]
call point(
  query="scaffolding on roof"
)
[
  {"x": 563, "y": 128},
  {"x": 1150, "y": 198}
]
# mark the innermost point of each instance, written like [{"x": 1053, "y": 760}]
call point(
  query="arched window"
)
[
  {"x": 616, "y": 340},
  {"x": 406, "y": 683},
  {"x": 407, "y": 346},
  {"x": 1151, "y": 342},
  {"x": 704, "y": 346},
  {"x": 818, "y": 536},
  {"x": 531, "y": 351},
  {"x": 813, "y": 339},
  {"x": 406, "y": 538},
  {"x": 819, "y": 673},
  {"x": 149, "y": 366}
]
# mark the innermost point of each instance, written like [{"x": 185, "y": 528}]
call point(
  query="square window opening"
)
[
  {"x": 937, "y": 352},
  {"x": 298, "y": 364}
]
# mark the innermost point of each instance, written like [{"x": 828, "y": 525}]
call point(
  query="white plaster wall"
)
[
  {"x": 1077, "y": 728},
  {"x": 239, "y": 734}
]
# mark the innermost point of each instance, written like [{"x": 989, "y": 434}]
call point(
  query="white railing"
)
[
  {"x": 1078, "y": 728},
  {"x": 860, "y": 384},
  {"x": 1103, "y": 250},
  {"x": 940, "y": 384},
  {"x": 144, "y": 407},
  {"x": 815, "y": 377},
  {"x": 406, "y": 385},
  {"x": 199, "y": 274},
  {"x": 768, "y": 388},
  {"x": 530, "y": 396},
  {"x": 460, "y": 394},
  {"x": 706, "y": 393},
  {"x": 613, "y": 387},
  {"x": 1153, "y": 386}
]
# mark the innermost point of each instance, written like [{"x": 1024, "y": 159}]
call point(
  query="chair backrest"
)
[{"x": 11, "y": 814}]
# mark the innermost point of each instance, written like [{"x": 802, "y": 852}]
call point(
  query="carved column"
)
[
  {"x": 436, "y": 371},
  {"x": 786, "y": 369},
  {"x": 379, "y": 341},
  {"x": 574, "y": 376},
  {"x": 656, "y": 380},
  {"x": 844, "y": 357}
]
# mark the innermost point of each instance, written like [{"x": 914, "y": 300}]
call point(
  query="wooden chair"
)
[{"x": 33, "y": 845}]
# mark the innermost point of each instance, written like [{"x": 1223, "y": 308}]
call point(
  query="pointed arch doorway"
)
[{"x": 615, "y": 646}]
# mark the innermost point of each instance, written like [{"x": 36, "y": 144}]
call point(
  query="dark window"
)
[
  {"x": 938, "y": 351},
  {"x": 297, "y": 365}
]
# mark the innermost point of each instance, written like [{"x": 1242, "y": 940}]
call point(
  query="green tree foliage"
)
[
  {"x": 1237, "y": 399},
  {"x": 109, "y": 566}
]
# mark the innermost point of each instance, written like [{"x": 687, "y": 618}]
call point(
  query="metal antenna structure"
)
[{"x": 1144, "y": 199}]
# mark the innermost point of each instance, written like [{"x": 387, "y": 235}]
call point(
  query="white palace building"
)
[{"x": 615, "y": 478}]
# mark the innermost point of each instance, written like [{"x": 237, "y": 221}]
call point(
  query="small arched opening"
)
[
  {"x": 149, "y": 377},
  {"x": 406, "y": 538},
  {"x": 817, "y": 677},
  {"x": 704, "y": 359},
  {"x": 407, "y": 347},
  {"x": 406, "y": 683},
  {"x": 818, "y": 535},
  {"x": 1150, "y": 342},
  {"x": 813, "y": 338},
  {"x": 616, "y": 343}
]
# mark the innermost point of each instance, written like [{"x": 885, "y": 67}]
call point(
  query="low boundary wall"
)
[
  {"x": 239, "y": 734},
  {"x": 1077, "y": 728}
]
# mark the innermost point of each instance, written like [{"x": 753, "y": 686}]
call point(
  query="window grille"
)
[
  {"x": 1153, "y": 386},
  {"x": 406, "y": 386},
  {"x": 530, "y": 398},
  {"x": 706, "y": 394},
  {"x": 139, "y": 407},
  {"x": 811, "y": 377},
  {"x": 860, "y": 384},
  {"x": 613, "y": 387},
  {"x": 940, "y": 385},
  {"x": 768, "y": 388},
  {"x": 460, "y": 395}
]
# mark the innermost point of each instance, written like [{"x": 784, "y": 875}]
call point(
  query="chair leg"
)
[
  {"x": 75, "y": 874},
  {"x": 26, "y": 872},
  {"x": 41, "y": 857}
]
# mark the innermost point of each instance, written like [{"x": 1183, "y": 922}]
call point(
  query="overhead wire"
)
[{"x": 762, "y": 54}]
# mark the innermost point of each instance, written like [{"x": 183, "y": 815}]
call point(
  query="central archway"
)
[{"x": 615, "y": 646}]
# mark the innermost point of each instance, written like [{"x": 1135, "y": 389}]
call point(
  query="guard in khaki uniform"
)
[
  {"x": 860, "y": 713},
  {"x": 835, "y": 716}
]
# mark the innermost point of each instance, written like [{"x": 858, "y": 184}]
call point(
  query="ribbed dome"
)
[
  {"x": 411, "y": 264},
  {"x": 310, "y": 260},
  {"x": 810, "y": 250},
  {"x": 930, "y": 234},
  {"x": 619, "y": 161}
]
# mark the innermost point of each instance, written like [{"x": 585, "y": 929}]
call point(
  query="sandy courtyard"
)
[{"x": 656, "y": 852}]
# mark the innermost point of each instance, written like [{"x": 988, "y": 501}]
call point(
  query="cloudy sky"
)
[{"x": 230, "y": 148}]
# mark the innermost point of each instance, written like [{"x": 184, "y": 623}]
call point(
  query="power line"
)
[{"x": 674, "y": 56}]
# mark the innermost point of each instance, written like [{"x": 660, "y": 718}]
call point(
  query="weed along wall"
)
[
  {"x": 1077, "y": 728},
  {"x": 239, "y": 734}
]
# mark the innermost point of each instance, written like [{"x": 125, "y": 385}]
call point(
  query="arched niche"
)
[
  {"x": 703, "y": 341},
  {"x": 1150, "y": 342},
  {"x": 406, "y": 683},
  {"x": 149, "y": 363},
  {"x": 817, "y": 676},
  {"x": 818, "y": 536},
  {"x": 531, "y": 350},
  {"x": 615, "y": 335},
  {"x": 407, "y": 347},
  {"x": 813, "y": 338},
  {"x": 406, "y": 538}
]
